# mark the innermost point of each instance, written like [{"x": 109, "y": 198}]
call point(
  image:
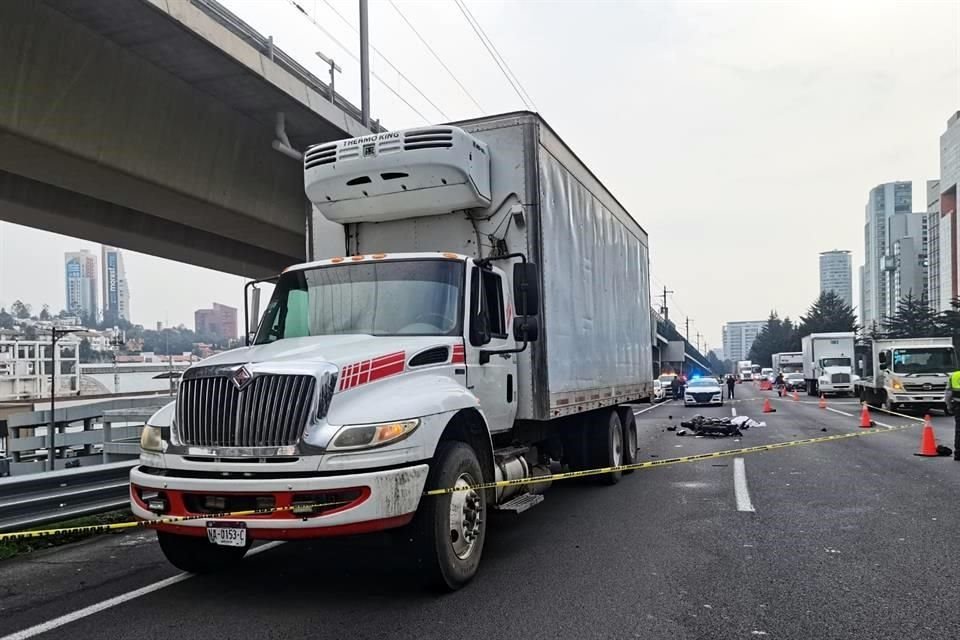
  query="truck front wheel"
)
[
  {"x": 197, "y": 555},
  {"x": 449, "y": 530}
]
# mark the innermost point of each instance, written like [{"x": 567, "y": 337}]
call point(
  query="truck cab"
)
[{"x": 909, "y": 373}]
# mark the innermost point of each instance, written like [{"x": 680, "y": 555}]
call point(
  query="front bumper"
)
[
  {"x": 925, "y": 399},
  {"x": 830, "y": 387},
  {"x": 376, "y": 500},
  {"x": 693, "y": 402}
]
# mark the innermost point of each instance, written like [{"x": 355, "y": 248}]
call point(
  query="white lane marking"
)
[
  {"x": 117, "y": 600},
  {"x": 843, "y": 413},
  {"x": 636, "y": 413},
  {"x": 733, "y": 410},
  {"x": 740, "y": 486}
]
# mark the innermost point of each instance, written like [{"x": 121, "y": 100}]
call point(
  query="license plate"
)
[{"x": 227, "y": 534}]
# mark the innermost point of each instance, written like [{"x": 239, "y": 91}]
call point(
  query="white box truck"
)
[
  {"x": 788, "y": 362},
  {"x": 744, "y": 371},
  {"x": 907, "y": 373},
  {"x": 828, "y": 363},
  {"x": 489, "y": 321}
]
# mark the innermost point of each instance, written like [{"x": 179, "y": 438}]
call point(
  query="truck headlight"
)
[
  {"x": 896, "y": 385},
  {"x": 363, "y": 436},
  {"x": 151, "y": 439}
]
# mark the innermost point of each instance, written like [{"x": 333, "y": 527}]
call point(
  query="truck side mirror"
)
[
  {"x": 526, "y": 288},
  {"x": 526, "y": 329}
]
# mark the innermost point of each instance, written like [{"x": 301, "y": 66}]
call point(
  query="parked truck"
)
[
  {"x": 744, "y": 371},
  {"x": 788, "y": 362},
  {"x": 828, "y": 363},
  {"x": 489, "y": 321},
  {"x": 907, "y": 373}
]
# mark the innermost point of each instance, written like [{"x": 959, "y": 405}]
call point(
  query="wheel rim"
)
[
  {"x": 616, "y": 447},
  {"x": 466, "y": 517},
  {"x": 632, "y": 442}
]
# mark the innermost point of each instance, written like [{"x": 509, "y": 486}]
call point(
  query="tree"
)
[
  {"x": 914, "y": 319},
  {"x": 30, "y": 332},
  {"x": 86, "y": 352},
  {"x": 6, "y": 320},
  {"x": 45, "y": 313},
  {"x": 828, "y": 313},
  {"x": 717, "y": 365},
  {"x": 948, "y": 321},
  {"x": 20, "y": 310},
  {"x": 777, "y": 336}
]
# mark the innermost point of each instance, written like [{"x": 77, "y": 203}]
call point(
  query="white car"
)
[
  {"x": 702, "y": 392},
  {"x": 658, "y": 393}
]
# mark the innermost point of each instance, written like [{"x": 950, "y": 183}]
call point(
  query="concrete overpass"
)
[
  {"x": 148, "y": 124},
  {"x": 672, "y": 352}
]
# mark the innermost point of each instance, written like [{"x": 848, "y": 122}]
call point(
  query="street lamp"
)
[{"x": 55, "y": 335}]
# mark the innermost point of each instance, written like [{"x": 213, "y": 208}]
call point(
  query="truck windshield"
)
[
  {"x": 929, "y": 360},
  {"x": 835, "y": 362},
  {"x": 410, "y": 297}
]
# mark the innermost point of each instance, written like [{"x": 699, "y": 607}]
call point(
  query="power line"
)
[
  {"x": 387, "y": 60},
  {"x": 357, "y": 59},
  {"x": 437, "y": 57},
  {"x": 488, "y": 45}
]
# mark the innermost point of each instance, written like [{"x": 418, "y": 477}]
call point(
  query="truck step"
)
[{"x": 521, "y": 503}]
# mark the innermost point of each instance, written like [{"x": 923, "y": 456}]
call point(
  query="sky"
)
[{"x": 744, "y": 137}]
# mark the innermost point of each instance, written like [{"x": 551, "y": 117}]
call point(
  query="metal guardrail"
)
[
  {"x": 36, "y": 499},
  {"x": 87, "y": 434}
]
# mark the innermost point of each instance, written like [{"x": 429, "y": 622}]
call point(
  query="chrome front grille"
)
[
  {"x": 924, "y": 388},
  {"x": 840, "y": 378},
  {"x": 271, "y": 410}
]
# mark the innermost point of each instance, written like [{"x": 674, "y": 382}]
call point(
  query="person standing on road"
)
[
  {"x": 731, "y": 385},
  {"x": 675, "y": 387},
  {"x": 953, "y": 398},
  {"x": 780, "y": 384}
]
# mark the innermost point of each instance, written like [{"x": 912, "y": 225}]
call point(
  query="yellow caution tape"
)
[{"x": 485, "y": 485}]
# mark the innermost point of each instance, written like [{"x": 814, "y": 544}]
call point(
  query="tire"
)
[
  {"x": 197, "y": 555},
  {"x": 447, "y": 558},
  {"x": 629, "y": 422},
  {"x": 608, "y": 447}
]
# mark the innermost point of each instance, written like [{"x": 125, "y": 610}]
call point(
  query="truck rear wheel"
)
[
  {"x": 629, "y": 422},
  {"x": 197, "y": 555},
  {"x": 607, "y": 437},
  {"x": 449, "y": 530}
]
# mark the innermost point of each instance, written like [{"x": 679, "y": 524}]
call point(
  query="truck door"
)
[{"x": 493, "y": 381}]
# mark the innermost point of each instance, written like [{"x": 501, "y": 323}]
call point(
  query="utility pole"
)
[
  {"x": 688, "y": 330},
  {"x": 664, "y": 311},
  {"x": 55, "y": 335},
  {"x": 364, "y": 66}
]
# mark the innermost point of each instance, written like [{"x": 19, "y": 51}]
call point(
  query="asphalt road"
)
[{"x": 845, "y": 539}]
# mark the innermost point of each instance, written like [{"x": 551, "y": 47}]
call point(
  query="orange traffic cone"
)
[
  {"x": 823, "y": 402},
  {"x": 865, "y": 421},
  {"x": 795, "y": 396},
  {"x": 766, "y": 406},
  {"x": 928, "y": 443}
]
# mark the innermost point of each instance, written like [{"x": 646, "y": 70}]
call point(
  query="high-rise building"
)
[
  {"x": 81, "y": 283},
  {"x": 885, "y": 200},
  {"x": 933, "y": 244},
  {"x": 116, "y": 292},
  {"x": 945, "y": 258},
  {"x": 835, "y": 274},
  {"x": 738, "y": 338},
  {"x": 905, "y": 264},
  {"x": 219, "y": 322}
]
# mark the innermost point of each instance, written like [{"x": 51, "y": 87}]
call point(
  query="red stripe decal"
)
[{"x": 358, "y": 373}]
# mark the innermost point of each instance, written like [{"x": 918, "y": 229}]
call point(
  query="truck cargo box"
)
[{"x": 595, "y": 344}]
